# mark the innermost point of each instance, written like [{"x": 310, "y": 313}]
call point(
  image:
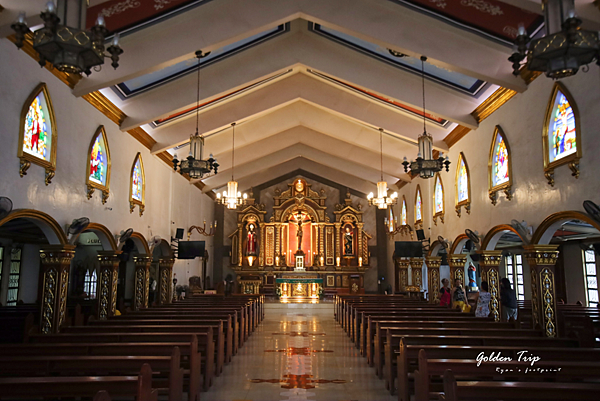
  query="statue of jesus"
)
[{"x": 299, "y": 231}]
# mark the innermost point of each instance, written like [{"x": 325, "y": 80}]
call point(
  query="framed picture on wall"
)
[{"x": 330, "y": 281}]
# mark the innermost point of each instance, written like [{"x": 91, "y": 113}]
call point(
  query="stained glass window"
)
[
  {"x": 562, "y": 139},
  {"x": 404, "y": 219},
  {"x": 439, "y": 195},
  {"x": 591, "y": 277},
  {"x": 137, "y": 181},
  {"x": 462, "y": 184},
  {"x": 37, "y": 134},
  {"x": 98, "y": 161},
  {"x": 418, "y": 206},
  {"x": 500, "y": 173}
]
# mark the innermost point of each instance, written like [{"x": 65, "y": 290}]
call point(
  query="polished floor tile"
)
[{"x": 298, "y": 353}]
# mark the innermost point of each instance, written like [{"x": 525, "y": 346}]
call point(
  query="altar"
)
[
  {"x": 300, "y": 238},
  {"x": 298, "y": 288}
]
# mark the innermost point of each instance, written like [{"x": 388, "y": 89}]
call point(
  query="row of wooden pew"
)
[
  {"x": 173, "y": 350},
  {"x": 432, "y": 352}
]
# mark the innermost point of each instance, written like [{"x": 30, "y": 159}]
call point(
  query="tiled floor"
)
[{"x": 298, "y": 353}]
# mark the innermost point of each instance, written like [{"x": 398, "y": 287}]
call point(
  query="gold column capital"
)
[
  {"x": 166, "y": 262},
  {"x": 403, "y": 263},
  {"x": 433, "y": 261},
  {"x": 541, "y": 255},
  {"x": 457, "y": 260},
  {"x": 416, "y": 262},
  {"x": 141, "y": 260},
  {"x": 490, "y": 258},
  {"x": 57, "y": 254}
]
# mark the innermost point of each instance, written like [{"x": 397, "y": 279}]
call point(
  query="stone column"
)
[
  {"x": 107, "y": 283},
  {"x": 542, "y": 263},
  {"x": 416, "y": 265},
  {"x": 433, "y": 264},
  {"x": 403, "y": 273},
  {"x": 457, "y": 267},
  {"x": 489, "y": 262},
  {"x": 165, "y": 280},
  {"x": 55, "y": 266},
  {"x": 142, "y": 281}
]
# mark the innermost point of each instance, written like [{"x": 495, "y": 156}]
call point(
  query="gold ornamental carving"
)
[
  {"x": 49, "y": 301},
  {"x": 548, "y": 295},
  {"x": 416, "y": 265}
]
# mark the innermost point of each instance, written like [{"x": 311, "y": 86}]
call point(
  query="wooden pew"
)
[
  {"x": 393, "y": 343},
  {"x": 469, "y": 369},
  {"x": 53, "y": 365},
  {"x": 218, "y": 348},
  {"x": 202, "y": 345},
  {"x": 485, "y": 390},
  {"x": 139, "y": 386}
]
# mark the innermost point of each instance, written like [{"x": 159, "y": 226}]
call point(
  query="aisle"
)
[{"x": 298, "y": 353}]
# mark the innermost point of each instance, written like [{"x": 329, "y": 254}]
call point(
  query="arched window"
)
[
  {"x": 463, "y": 185},
  {"x": 37, "y": 136},
  {"x": 391, "y": 220},
  {"x": 438, "y": 199},
  {"x": 98, "y": 168},
  {"x": 404, "y": 214},
  {"x": 418, "y": 207},
  {"x": 561, "y": 136},
  {"x": 137, "y": 185},
  {"x": 89, "y": 284},
  {"x": 499, "y": 166}
]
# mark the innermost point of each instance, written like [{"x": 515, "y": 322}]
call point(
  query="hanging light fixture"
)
[
  {"x": 194, "y": 165},
  {"x": 425, "y": 165},
  {"x": 69, "y": 49},
  {"x": 563, "y": 49},
  {"x": 382, "y": 201},
  {"x": 232, "y": 198}
]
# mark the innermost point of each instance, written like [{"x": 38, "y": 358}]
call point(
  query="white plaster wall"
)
[
  {"x": 522, "y": 119},
  {"x": 171, "y": 201}
]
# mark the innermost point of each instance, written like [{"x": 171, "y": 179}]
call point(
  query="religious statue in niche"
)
[
  {"x": 299, "y": 233},
  {"x": 251, "y": 243},
  {"x": 348, "y": 242}
]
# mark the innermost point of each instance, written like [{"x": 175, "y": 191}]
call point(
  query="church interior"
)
[{"x": 299, "y": 200}]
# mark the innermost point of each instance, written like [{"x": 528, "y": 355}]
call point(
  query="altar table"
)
[{"x": 299, "y": 288}]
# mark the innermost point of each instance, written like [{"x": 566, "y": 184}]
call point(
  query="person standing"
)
[
  {"x": 483, "y": 301},
  {"x": 459, "y": 299},
  {"x": 445, "y": 297},
  {"x": 508, "y": 300}
]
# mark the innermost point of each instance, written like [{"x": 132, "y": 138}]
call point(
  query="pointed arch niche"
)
[
  {"x": 37, "y": 135},
  {"x": 137, "y": 185},
  {"x": 462, "y": 185},
  {"x": 562, "y": 133},
  {"x": 404, "y": 213},
  {"x": 98, "y": 165},
  {"x": 418, "y": 207},
  {"x": 438, "y": 199},
  {"x": 499, "y": 166}
]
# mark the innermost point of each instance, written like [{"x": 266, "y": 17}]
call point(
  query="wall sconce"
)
[
  {"x": 202, "y": 230},
  {"x": 322, "y": 264},
  {"x": 337, "y": 261},
  {"x": 360, "y": 261}
]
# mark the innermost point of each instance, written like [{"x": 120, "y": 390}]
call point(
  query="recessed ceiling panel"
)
[
  {"x": 149, "y": 81},
  {"x": 452, "y": 79}
]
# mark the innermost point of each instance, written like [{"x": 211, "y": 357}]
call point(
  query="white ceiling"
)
[{"x": 301, "y": 120}]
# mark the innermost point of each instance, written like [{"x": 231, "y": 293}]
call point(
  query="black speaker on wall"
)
[
  {"x": 420, "y": 235},
  {"x": 179, "y": 233}
]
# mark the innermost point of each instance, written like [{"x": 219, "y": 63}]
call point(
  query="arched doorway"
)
[
  {"x": 23, "y": 234},
  {"x": 134, "y": 247},
  {"x": 577, "y": 236},
  {"x": 513, "y": 264},
  {"x": 159, "y": 252}
]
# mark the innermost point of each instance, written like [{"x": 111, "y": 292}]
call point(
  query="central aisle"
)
[{"x": 298, "y": 353}]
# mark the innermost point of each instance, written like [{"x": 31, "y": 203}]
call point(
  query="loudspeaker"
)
[
  {"x": 179, "y": 233},
  {"x": 420, "y": 235}
]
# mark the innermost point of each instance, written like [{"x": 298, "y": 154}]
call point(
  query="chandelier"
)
[
  {"x": 68, "y": 49},
  {"x": 563, "y": 49},
  {"x": 194, "y": 165},
  {"x": 382, "y": 201},
  {"x": 425, "y": 165},
  {"x": 232, "y": 198}
]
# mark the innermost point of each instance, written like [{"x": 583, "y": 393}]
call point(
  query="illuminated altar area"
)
[{"x": 300, "y": 238}]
